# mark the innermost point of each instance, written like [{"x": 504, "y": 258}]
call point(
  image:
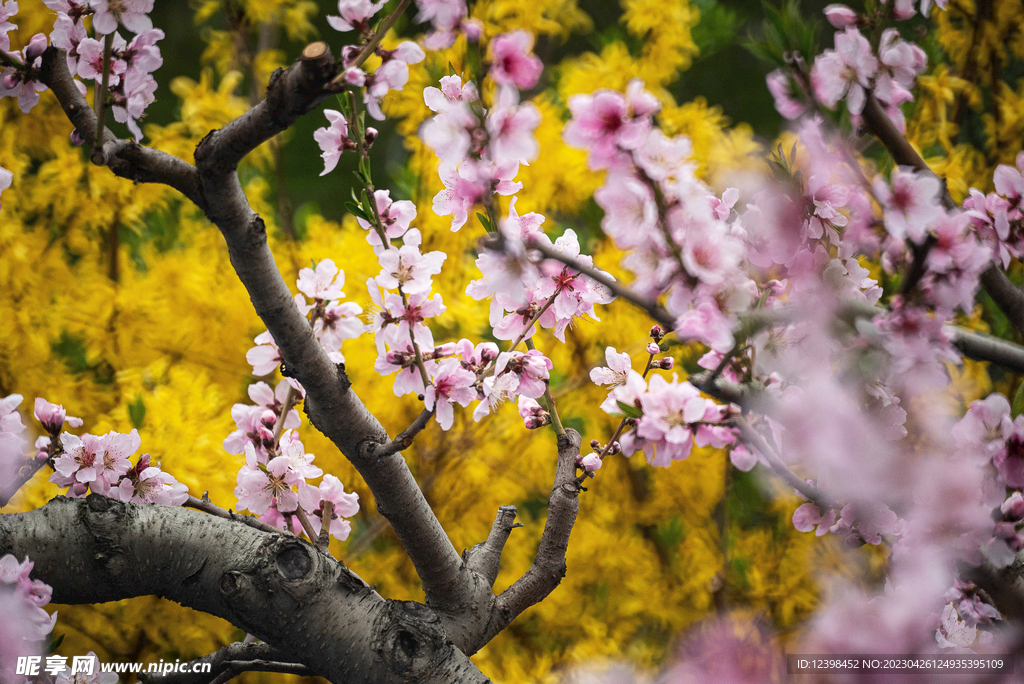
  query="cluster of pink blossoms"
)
[
  {"x": 272, "y": 483},
  {"x": 25, "y": 625},
  {"x": 852, "y": 70},
  {"x": 481, "y": 149},
  {"x": 392, "y": 74},
  {"x": 998, "y": 217},
  {"x": 84, "y": 463},
  {"x": 131, "y": 86},
  {"x": 668, "y": 418}
]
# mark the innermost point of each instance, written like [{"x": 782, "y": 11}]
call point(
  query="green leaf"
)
[
  {"x": 629, "y": 411},
  {"x": 53, "y": 644},
  {"x": 137, "y": 412},
  {"x": 1018, "y": 402},
  {"x": 354, "y": 208},
  {"x": 451, "y": 69},
  {"x": 484, "y": 221}
]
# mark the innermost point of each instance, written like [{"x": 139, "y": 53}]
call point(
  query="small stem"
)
[
  {"x": 306, "y": 525},
  {"x": 368, "y": 49},
  {"x": 101, "y": 102},
  {"x": 415, "y": 347},
  {"x": 533, "y": 321},
  {"x": 555, "y": 420},
  {"x": 324, "y": 540},
  {"x": 289, "y": 399}
]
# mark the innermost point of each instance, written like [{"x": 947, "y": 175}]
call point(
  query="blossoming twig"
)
[
  {"x": 97, "y": 155},
  {"x": 368, "y": 49},
  {"x": 815, "y": 495}
]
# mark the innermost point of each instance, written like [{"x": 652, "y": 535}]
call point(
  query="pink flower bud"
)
[
  {"x": 371, "y": 135},
  {"x": 42, "y": 446},
  {"x": 355, "y": 76},
  {"x": 473, "y": 29},
  {"x": 653, "y": 348},
  {"x": 615, "y": 448},
  {"x": 667, "y": 363},
  {"x": 51, "y": 416},
  {"x": 657, "y": 333},
  {"x": 348, "y": 53},
  {"x": 76, "y": 139},
  {"x": 840, "y": 16},
  {"x": 595, "y": 445},
  {"x": 11, "y": 81},
  {"x": 35, "y": 47},
  {"x": 591, "y": 462},
  {"x": 1013, "y": 507}
]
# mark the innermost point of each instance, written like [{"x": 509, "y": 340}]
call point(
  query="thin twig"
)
[
  {"x": 752, "y": 436},
  {"x": 324, "y": 540},
  {"x": 653, "y": 308},
  {"x": 368, "y": 49},
  {"x": 206, "y": 506},
  {"x": 404, "y": 440},
  {"x": 97, "y": 155},
  {"x": 555, "y": 421}
]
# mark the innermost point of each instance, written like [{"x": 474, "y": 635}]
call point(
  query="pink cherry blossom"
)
[
  {"x": 451, "y": 384},
  {"x": 402, "y": 358},
  {"x": 605, "y": 124},
  {"x": 132, "y": 14},
  {"x": 512, "y": 61},
  {"x": 533, "y": 414},
  {"x": 780, "y": 85},
  {"x": 807, "y": 516},
  {"x": 68, "y": 35},
  {"x": 496, "y": 389},
  {"x": 340, "y": 321},
  {"x": 669, "y": 410},
  {"x": 7, "y": 10},
  {"x": 616, "y": 372},
  {"x": 840, "y": 16},
  {"x": 845, "y": 71},
  {"x": 6, "y": 178},
  {"x": 406, "y": 268},
  {"x": 445, "y": 15},
  {"x": 511, "y": 127},
  {"x": 530, "y": 369},
  {"x": 911, "y": 202},
  {"x": 53, "y": 416},
  {"x": 707, "y": 324},
  {"x": 265, "y": 357},
  {"x": 145, "y": 484},
  {"x": 322, "y": 284},
  {"x": 463, "y": 187},
  {"x": 332, "y": 139},
  {"x": 451, "y": 92},
  {"x": 355, "y": 15},
  {"x": 260, "y": 486},
  {"x": 346, "y": 504},
  {"x": 396, "y": 216}
]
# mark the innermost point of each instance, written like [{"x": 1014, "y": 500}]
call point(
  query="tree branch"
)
[
  {"x": 485, "y": 557},
  {"x": 1006, "y": 295},
  {"x": 309, "y": 607},
  {"x": 224, "y": 660},
  {"x": 126, "y": 158},
  {"x": 332, "y": 407},
  {"x": 548, "y": 567}
]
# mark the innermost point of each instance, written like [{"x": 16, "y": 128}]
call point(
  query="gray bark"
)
[
  {"x": 308, "y": 607},
  {"x": 275, "y": 586}
]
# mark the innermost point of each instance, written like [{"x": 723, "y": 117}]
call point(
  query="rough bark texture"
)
[{"x": 275, "y": 586}]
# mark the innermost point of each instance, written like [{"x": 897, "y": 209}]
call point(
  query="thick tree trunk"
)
[{"x": 309, "y": 607}]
